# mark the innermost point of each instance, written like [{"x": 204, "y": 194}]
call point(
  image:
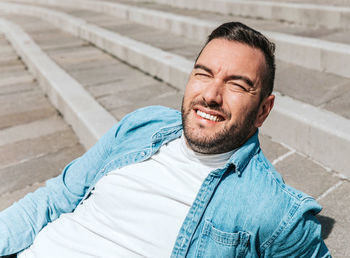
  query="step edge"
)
[{"x": 88, "y": 118}]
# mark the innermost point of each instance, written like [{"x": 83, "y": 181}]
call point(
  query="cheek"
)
[
  {"x": 196, "y": 85},
  {"x": 192, "y": 92},
  {"x": 238, "y": 106}
]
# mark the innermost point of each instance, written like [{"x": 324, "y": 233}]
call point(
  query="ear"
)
[{"x": 264, "y": 110}]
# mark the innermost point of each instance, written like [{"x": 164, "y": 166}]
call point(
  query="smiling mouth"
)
[{"x": 209, "y": 117}]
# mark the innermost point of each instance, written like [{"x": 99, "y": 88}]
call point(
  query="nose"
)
[{"x": 212, "y": 94}]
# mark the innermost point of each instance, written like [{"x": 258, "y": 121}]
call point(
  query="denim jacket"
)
[{"x": 243, "y": 209}]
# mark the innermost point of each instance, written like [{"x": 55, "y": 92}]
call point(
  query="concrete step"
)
[
  {"x": 35, "y": 142},
  {"x": 310, "y": 52},
  {"x": 321, "y": 2},
  {"x": 320, "y": 13},
  {"x": 132, "y": 88},
  {"x": 339, "y": 35},
  {"x": 28, "y": 141},
  {"x": 321, "y": 129},
  {"x": 64, "y": 92},
  {"x": 8, "y": 199}
]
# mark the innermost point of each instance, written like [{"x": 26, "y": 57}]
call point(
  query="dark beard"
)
[{"x": 226, "y": 140}]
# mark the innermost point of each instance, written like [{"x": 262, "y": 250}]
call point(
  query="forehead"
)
[{"x": 224, "y": 56}]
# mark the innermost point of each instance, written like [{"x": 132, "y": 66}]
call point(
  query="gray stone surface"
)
[
  {"x": 340, "y": 105},
  {"x": 338, "y": 36},
  {"x": 11, "y": 66},
  {"x": 6, "y": 89},
  {"x": 5, "y": 64},
  {"x": 10, "y": 80},
  {"x": 81, "y": 13},
  {"x": 306, "y": 175},
  {"x": 105, "y": 21},
  {"x": 163, "y": 40},
  {"x": 37, "y": 170},
  {"x": 23, "y": 107},
  {"x": 24, "y": 19},
  {"x": 336, "y": 220},
  {"x": 315, "y": 88},
  {"x": 81, "y": 58},
  {"x": 56, "y": 40},
  {"x": 135, "y": 96},
  {"x": 32, "y": 130},
  {"x": 172, "y": 100},
  {"x": 86, "y": 116},
  {"x": 8, "y": 57},
  {"x": 155, "y": 37},
  {"x": 323, "y": 2},
  {"x": 97, "y": 75},
  {"x": 129, "y": 28},
  {"x": 15, "y": 73},
  {"x": 4, "y": 51},
  {"x": 125, "y": 82},
  {"x": 271, "y": 149},
  {"x": 118, "y": 87},
  {"x": 189, "y": 52},
  {"x": 8, "y": 199},
  {"x": 36, "y": 147},
  {"x": 311, "y": 15},
  {"x": 32, "y": 149},
  {"x": 332, "y": 34}
]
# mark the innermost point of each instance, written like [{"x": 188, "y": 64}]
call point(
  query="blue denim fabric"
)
[{"x": 243, "y": 209}]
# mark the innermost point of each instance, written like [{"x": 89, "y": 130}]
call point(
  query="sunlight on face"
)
[{"x": 222, "y": 97}]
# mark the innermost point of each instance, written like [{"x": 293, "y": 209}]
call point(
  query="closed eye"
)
[
  {"x": 202, "y": 74},
  {"x": 236, "y": 85}
]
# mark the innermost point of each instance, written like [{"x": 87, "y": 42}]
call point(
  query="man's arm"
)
[
  {"x": 300, "y": 235},
  {"x": 20, "y": 223}
]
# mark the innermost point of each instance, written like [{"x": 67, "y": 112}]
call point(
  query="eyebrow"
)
[
  {"x": 203, "y": 67},
  {"x": 243, "y": 78},
  {"x": 231, "y": 77}
]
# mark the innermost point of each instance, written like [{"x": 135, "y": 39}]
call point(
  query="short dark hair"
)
[{"x": 239, "y": 32}]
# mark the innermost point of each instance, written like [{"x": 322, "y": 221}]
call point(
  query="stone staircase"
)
[
  {"x": 99, "y": 60},
  {"x": 35, "y": 142}
]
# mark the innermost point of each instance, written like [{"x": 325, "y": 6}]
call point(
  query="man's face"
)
[{"x": 222, "y": 98}]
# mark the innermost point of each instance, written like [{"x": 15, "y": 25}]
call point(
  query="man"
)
[{"x": 194, "y": 184}]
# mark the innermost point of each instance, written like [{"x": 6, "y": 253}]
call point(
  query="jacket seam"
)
[
  {"x": 284, "y": 223},
  {"x": 299, "y": 200}
]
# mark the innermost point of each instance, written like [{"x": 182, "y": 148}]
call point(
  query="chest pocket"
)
[{"x": 216, "y": 243}]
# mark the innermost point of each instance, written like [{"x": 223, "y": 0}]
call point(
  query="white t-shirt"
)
[{"x": 135, "y": 211}]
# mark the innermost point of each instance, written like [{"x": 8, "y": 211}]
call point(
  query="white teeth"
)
[{"x": 207, "y": 116}]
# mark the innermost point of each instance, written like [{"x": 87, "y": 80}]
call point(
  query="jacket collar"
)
[
  {"x": 239, "y": 159},
  {"x": 244, "y": 154}
]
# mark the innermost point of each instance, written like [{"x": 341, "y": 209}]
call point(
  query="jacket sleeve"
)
[
  {"x": 20, "y": 223},
  {"x": 300, "y": 235}
]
